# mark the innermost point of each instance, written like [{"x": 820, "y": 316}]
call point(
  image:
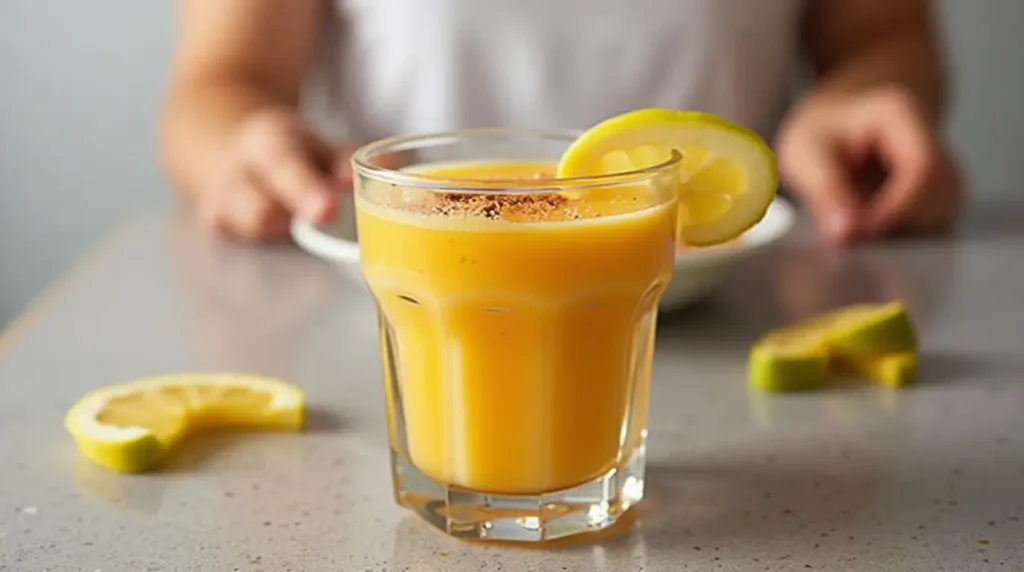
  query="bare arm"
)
[
  {"x": 234, "y": 57},
  {"x": 861, "y": 44}
]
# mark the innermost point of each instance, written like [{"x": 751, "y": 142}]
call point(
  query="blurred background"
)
[{"x": 80, "y": 83}]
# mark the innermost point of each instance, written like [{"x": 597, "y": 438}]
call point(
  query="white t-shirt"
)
[{"x": 415, "y": 66}]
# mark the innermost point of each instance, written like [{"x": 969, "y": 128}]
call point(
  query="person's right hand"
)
[
  {"x": 276, "y": 168},
  {"x": 869, "y": 164}
]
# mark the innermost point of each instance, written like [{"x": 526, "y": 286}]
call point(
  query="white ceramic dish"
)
[{"x": 697, "y": 272}]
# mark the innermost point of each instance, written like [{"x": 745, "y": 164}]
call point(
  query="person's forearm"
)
[
  {"x": 911, "y": 62},
  {"x": 860, "y": 45},
  {"x": 198, "y": 121}
]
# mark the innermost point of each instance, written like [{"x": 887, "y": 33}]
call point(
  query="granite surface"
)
[{"x": 852, "y": 479}]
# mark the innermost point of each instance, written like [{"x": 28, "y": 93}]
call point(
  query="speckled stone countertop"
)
[{"x": 853, "y": 479}]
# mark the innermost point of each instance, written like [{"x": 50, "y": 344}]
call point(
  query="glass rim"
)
[{"x": 362, "y": 166}]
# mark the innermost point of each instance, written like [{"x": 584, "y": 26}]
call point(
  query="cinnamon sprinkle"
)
[{"x": 512, "y": 207}]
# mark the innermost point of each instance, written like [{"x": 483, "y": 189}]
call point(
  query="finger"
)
[
  {"x": 903, "y": 142},
  {"x": 211, "y": 201},
  {"x": 250, "y": 213},
  {"x": 937, "y": 208},
  {"x": 341, "y": 164},
  {"x": 814, "y": 170},
  {"x": 208, "y": 213},
  {"x": 284, "y": 161}
]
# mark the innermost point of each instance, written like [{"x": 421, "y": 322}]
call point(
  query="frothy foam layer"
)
[
  {"x": 418, "y": 206},
  {"x": 521, "y": 207},
  {"x": 533, "y": 203}
]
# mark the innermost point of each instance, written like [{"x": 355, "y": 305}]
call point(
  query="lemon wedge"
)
[
  {"x": 130, "y": 427},
  {"x": 892, "y": 370},
  {"x": 868, "y": 330},
  {"x": 875, "y": 341},
  {"x": 788, "y": 360},
  {"x": 728, "y": 174}
]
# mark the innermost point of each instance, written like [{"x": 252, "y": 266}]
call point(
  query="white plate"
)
[{"x": 697, "y": 272}]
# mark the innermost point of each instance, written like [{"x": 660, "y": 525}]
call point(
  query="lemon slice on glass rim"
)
[
  {"x": 131, "y": 427},
  {"x": 728, "y": 174}
]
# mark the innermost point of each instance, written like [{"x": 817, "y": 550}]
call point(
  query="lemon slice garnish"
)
[
  {"x": 131, "y": 427},
  {"x": 728, "y": 174}
]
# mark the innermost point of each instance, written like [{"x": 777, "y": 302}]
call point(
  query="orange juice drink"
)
[{"x": 517, "y": 315}]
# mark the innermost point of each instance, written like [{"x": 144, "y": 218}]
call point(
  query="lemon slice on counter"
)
[
  {"x": 876, "y": 341},
  {"x": 866, "y": 330},
  {"x": 131, "y": 427},
  {"x": 893, "y": 370},
  {"x": 728, "y": 175},
  {"x": 788, "y": 360}
]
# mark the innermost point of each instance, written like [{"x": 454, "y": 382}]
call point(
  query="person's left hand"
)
[{"x": 868, "y": 165}]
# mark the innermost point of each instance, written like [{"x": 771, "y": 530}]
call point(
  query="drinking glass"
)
[{"x": 517, "y": 318}]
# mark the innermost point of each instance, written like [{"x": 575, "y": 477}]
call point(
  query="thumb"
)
[
  {"x": 815, "y": 171},
  {"x": 341, "y": 164}
]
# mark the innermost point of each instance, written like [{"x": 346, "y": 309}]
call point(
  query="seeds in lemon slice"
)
[
  {"x": 788, "y": 360},
  {"x": 728, "y": 176},
  {"x": 131, "y": 427}
]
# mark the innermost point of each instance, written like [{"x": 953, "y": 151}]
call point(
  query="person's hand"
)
[
  {"x": 868, "y": 165},
  {"x": 275, "y": 168}
]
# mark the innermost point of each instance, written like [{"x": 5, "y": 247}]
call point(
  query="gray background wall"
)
[{"x": 80, "y": 82}]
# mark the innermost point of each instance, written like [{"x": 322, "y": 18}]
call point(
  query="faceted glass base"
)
[{"x": 463, "y": 513}]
